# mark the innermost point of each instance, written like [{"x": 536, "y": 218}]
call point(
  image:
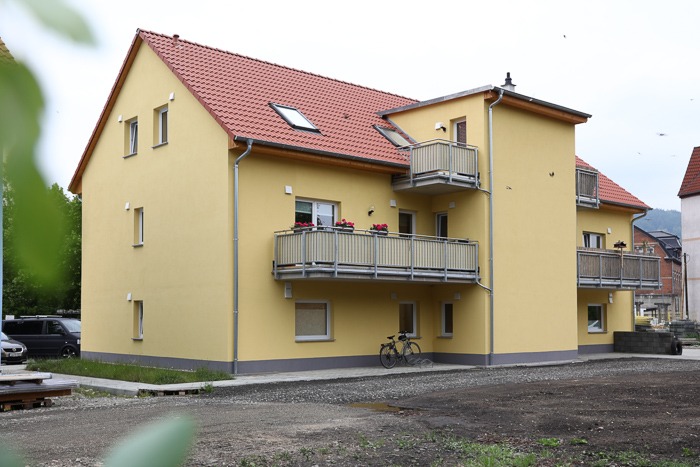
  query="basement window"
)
[
  {"x": 294, "y": 118},
  {"x": 393, "y": 136}
]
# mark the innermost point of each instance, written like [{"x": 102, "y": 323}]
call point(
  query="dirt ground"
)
[
  {"x": 600, "y": 414},
  {"x": 656, "y": 414}
]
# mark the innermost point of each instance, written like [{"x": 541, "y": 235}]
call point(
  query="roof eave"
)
[
  {"x": 75, "y": 185},
  {"x": 348, "y": 157},
  {"x": 513, "y": 98}
]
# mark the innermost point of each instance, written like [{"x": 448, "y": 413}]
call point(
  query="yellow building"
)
[{"x": 206, "y": 169}]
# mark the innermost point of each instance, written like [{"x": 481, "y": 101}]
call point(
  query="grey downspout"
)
[
  {"x": 235, "y": 255},
  {"x": 635, "y": 219},
  {"x": 491, "y": 317}
]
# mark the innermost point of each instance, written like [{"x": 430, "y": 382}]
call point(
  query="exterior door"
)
[{"x": 441, "y": 224}]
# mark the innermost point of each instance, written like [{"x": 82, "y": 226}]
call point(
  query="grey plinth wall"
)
[{"x": 644, "y": 342}]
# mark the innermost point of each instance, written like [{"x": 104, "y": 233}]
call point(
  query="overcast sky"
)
[{"x": 633, "y": 65}]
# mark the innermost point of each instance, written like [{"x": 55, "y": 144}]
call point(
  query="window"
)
[
  {"x": 394, "y": 136},
  {"x": 407, "y": 222},
  {"x": 596, "y": 318},
  {"x": 460, "y": 132},
  {"x": 133, "y": 137},
  {"x": 137, "y": 332},
  {"x": 592, "y": 240},
  {"x": 441, "y": 224},
  {"x": 294, "y": 118},
  {"x": 138, "y": 227},
  {"x": 54, "y": 327},
  {"x": 312, "y": 321},
  {"x": 161, "y": 130},
  {"x": 320, "y": 213},
  {"x": 407, "y": 318},
  {"x": 447, "y": 315}
]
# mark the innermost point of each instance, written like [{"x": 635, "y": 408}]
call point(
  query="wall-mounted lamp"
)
[
  {"x": 370, "y": 210},
  {"x": 610, "y": 297},
  {"x": 128, "y": 297},
  {"x": 440, "y": 126},
  {"x": 126, "y": 206},
  {"x": 119, "y": 119},
  {"x": 287, "y": 290},
  {"x": 172, "y": 96}
]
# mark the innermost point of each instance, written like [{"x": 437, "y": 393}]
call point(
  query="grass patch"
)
[{"x": 125, "y": 371}]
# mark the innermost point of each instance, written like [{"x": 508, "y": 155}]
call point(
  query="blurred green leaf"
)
[
  {"x": 38, "y": 225},
  {"x": 161, "y": 444},
  {"x": 21, "y": 103},
  {"x": 56, "y": 15}
]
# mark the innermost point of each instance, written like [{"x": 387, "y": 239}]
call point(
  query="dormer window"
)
[
  {"x": 294, "y": 118},
  {"x": 393, "y": 136}
]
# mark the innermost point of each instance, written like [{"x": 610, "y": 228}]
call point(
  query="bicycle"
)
[{"x": 389, "y": 355}]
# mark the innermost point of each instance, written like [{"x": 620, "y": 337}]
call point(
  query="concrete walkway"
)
[{"x": 126, "y": 388}]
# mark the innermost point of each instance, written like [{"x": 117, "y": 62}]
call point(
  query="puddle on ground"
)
[{"x": 377, "y": 406}]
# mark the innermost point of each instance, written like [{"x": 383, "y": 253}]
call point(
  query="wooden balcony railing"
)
[
  {"x": 440, "y": 166},
  {"x": 360, "y": 255},
  {"x": 587, "y": 188},
  {"x": 610, "y": 269}
]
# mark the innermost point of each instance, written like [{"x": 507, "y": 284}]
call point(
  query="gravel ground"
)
[{"x": 332, "y": 422}]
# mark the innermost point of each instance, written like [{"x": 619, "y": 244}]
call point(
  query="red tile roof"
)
[
  {"x": 237, "y": 91},
  {"x": 691, "y": 180},
  {"x": 5, "y": 54},
  {"x": 610, "y": 192}
]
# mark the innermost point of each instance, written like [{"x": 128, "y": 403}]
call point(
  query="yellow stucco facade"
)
[{"x": 158, "y": 241}]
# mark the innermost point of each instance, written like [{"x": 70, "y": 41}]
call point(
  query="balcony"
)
[
  {"x": 362, "y": 255},
  {"x": 439, "y": 166},
  {"x": 587, "y": 188},
  {"x": 609, "y": 269}
]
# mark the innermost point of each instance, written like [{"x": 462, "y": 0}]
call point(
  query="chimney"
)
[
  {"x": 177, "y": 36},
  {"x": 509, "y": 83}
]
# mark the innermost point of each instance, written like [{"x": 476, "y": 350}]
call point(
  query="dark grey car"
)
[{"x": 46, "y": 336}]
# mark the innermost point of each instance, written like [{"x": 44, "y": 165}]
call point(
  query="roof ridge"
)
[{"x": 297, "y": 70}]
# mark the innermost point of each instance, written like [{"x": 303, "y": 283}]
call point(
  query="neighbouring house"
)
[
  {"x": 689, "y": 194},
  {"x": 664, "y": 304},
  {"x": 251, "y": 217}
]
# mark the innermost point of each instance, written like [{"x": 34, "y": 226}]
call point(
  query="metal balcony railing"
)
[
  {"x": 335, "y": 253},
  {"x": 440, "y": 165},
  {"x": 609, "y": 269},
  {"x": 587, "y": 188}
]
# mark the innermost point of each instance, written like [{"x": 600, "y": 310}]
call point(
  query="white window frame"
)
[
  {"x": 415, "y": 318},
  {"x": 163, "y": 125},
  {"x": 294, "y": 118},
  {"x": 443, "y": 319},
  {"x": 454, "y": 129},
  {"x": 413, "y": 221},
  {"x": 138, "y": 226},
  {"x": 133, "y": 137},
  {"x": 315, "y": 204},
  {"x": 138, "y": 320},
  {"x": 588, "y": 238},
  {"x": 601, "y": 328},
  {"x": 319, "y": 337},
  {"x": 393, "y": 136}
]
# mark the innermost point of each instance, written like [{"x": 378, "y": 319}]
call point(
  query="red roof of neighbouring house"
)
[
  {"x": 691, "y": 180},
  {"x": 610, "y": 192}
]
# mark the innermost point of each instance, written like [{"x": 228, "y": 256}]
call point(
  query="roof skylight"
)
[
  {"x": 393, "y": 136},
  {"x": 294, "y": 118}
]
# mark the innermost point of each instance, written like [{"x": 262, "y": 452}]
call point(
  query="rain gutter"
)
[
  {"x": 491, "y": 291},
  {"x": 235, "y": 255}
]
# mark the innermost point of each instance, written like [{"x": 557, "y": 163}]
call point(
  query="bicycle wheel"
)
[
  {"x": 387, "y": 356},
  {"x": 411, "y": 353}
]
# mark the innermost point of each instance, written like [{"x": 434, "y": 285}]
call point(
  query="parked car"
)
[
  {"x": 12, "y": 351},
  {"x": 46, "y": 336}
]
